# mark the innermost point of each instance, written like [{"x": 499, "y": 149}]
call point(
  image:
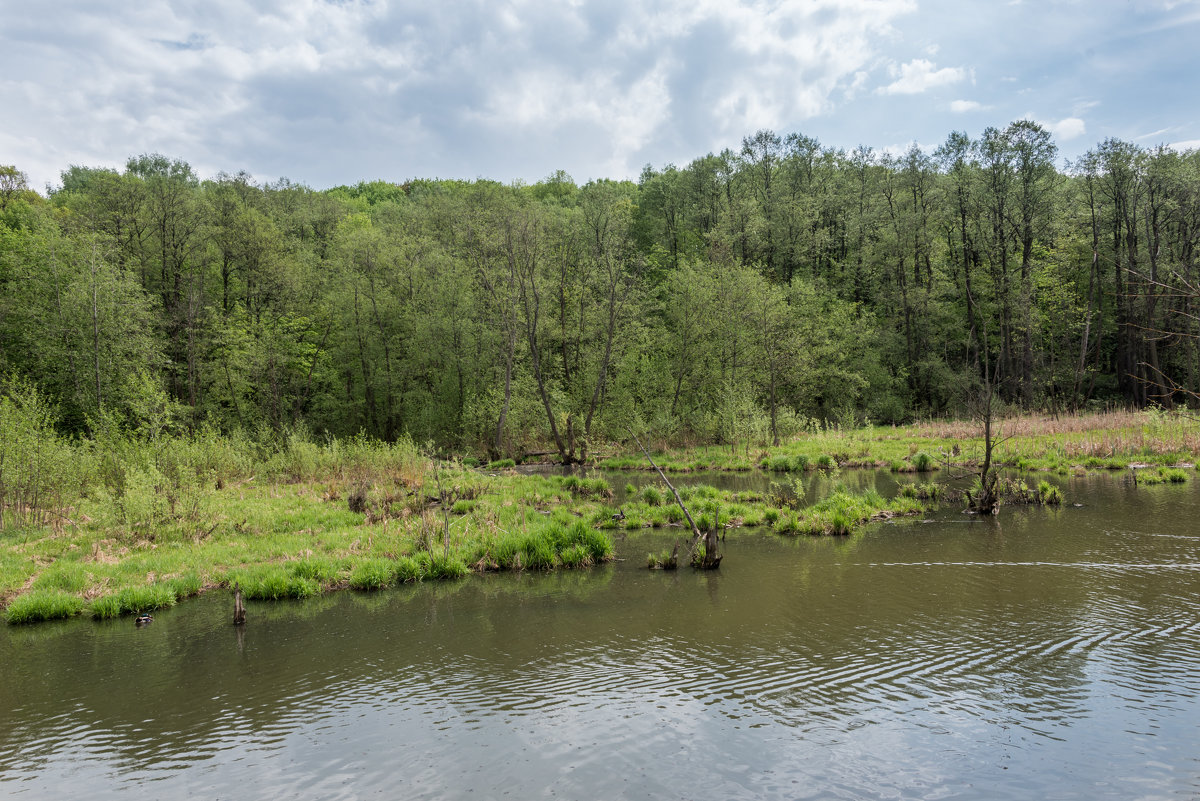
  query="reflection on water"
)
[{"x": 1044, "y": 654}]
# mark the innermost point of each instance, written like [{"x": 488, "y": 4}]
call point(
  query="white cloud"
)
[
  {"x": 1067, "y": 129},
  {"x": 337, "y": 91},
  {"x": 1186, "y": 144},
  {"x": 963, "y": 106},
  {"x": 920, "y": 75}
]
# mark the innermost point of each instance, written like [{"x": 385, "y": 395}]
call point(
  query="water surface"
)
[{"x": 1047, "y": 654}]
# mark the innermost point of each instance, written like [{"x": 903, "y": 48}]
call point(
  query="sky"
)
[{"x": 329, "y": 92}]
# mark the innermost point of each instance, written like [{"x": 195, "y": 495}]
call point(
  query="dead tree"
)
[{"x": 711, "y": 559}]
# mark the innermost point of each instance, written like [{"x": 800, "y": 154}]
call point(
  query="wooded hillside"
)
[{"x": 739, "y": 296}]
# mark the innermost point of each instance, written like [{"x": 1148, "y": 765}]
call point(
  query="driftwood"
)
[
  {"x": 711, "y": 558},
  {"x": 239, "y": 611}
]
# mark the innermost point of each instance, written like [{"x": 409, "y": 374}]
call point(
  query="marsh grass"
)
[
  {"x": 1161, "y": 475},
  {"x": 1109, "y": 441},
  {"x": 39, "y": 605}
]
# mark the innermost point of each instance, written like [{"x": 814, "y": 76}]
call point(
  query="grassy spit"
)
[
  {"x": 133, "y": 530},
  {"x": 138, "y": 530}
]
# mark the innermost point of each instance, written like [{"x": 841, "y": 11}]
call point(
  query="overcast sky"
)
[{"x": 327, "y": 92}]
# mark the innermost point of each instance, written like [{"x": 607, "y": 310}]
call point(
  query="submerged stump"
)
[{"x": 239, "y": 610}]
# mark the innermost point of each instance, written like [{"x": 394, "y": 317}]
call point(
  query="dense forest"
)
[{"x": 742, "y": 296}]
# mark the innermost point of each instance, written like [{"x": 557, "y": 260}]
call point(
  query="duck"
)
[
  {"x": 143, "y": 619},
  {"x": 619, "y": 516}
]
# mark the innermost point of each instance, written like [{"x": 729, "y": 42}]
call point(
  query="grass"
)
[
  {"x": 284, "y": 528},
  {"x": 1162, "y": 475},
  {"x": 1108, "y": 441},
  {"x": 40, "y": 605}
]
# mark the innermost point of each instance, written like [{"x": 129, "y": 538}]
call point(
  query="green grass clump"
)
[
  {"x": 441, "y": 566},
  {"x": 462, "y": 507},
  {"x": 133, "y": 601},
  {"x": 1162, "y": 475},
  {"x": 661, "y": 561},
  {"x": 322, "y": 571},
  {"x": 1049, "y": 494},
  {"x": 186, "y": 586},
  {"x": 500, "y": 464},
  {"x": 272, "y": 583},
  {"x": 374, "y": 574},
  {"x": 39, "y": 605},
  {"x": 406, "y": 569},
  {"x": 826, "y": 462},
  {"x": 537, "y": 552},
  {"x": 923, "y": 492},
  {"x": 574, "y": 556},
  {"x": 652, "y": 495},
  {"x": 786, "y": 524},
  {"x": 922, "y": 462}
]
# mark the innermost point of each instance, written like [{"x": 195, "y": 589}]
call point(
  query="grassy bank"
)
[{"x": 1110, "y": 441}]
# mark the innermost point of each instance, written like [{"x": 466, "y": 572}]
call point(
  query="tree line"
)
[{"x": 738, "y": 298}]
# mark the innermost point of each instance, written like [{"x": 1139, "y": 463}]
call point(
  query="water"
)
[{"x": 1047, "y": 654}]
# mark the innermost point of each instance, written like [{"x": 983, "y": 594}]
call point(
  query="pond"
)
[{"x": 1043, "y": 654}]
